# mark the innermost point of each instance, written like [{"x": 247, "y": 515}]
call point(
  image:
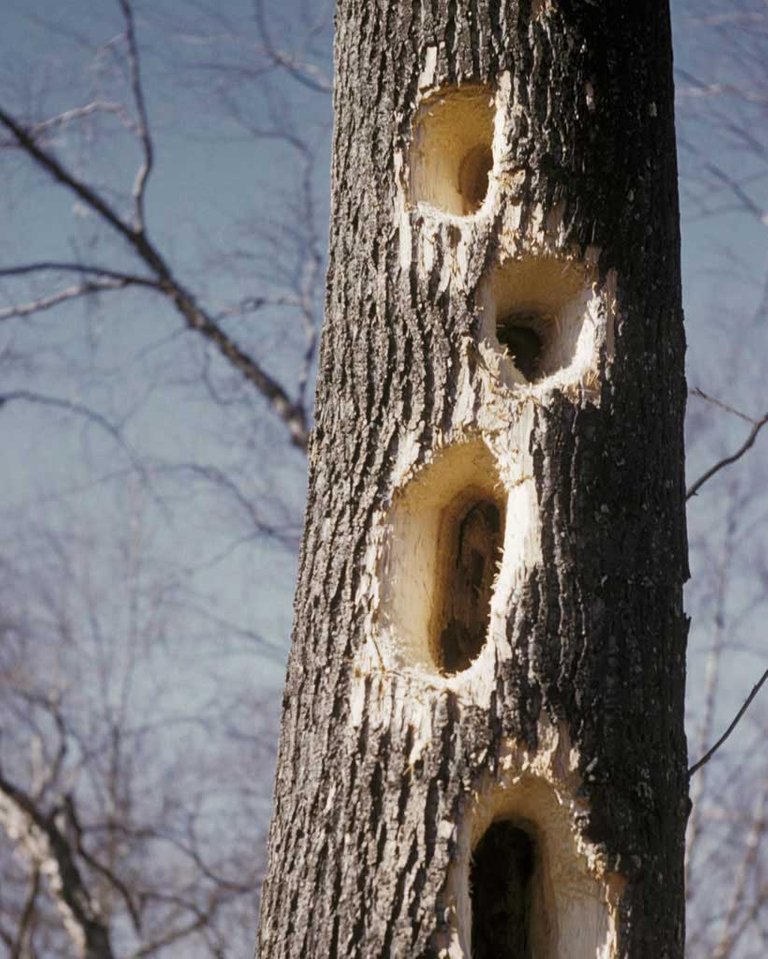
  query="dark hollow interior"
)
[
  {"x": 474, "y": 544},
  {"x": 474, "y": 171},
  {"x": 500, "y": 885},
  {"x": 518, "y": 334}
]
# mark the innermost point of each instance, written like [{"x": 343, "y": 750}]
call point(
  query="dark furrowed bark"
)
[{"x": 360, "y": 852}]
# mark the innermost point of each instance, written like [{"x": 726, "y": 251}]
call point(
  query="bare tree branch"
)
[
  {"x": 80, "y": 113},
  {"x": 727, "y": 460},
  {"x": 22, "y": 945},
  {"x": 78, "y": 291},
  {"x": 49, "y": 774},
  {"x": 738, "y": 191},
  {"x": 737, "y": 718},
  {"x": 145, "y": 170},
  {"x": 219, "y": 478},
  {"x": 49, "y": 850},
  {"x": 112, "y": 878},
  {"x": 195, "y": 317},
  {"x": 697, "y": 391},
  {"x": 56, "y": 266},
  {"x": 26, "y": 140},
  {"x": 201, "y": 920},
  {"x": 70, "y": 406}
]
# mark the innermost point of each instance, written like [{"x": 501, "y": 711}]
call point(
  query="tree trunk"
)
[{"x": 482, "y": 749}]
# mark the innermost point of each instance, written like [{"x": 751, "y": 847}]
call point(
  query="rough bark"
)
[{"x": 571, "y": 719}]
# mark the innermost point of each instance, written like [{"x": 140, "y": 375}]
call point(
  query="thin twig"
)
[
  {"x": 727, "y": 460},
  {"x": 78, "y": 409},
  {"x": 134, "y": 63},
  {"x": 304, "y": 73},
  {"x": 83, "y": 112},
  {"x": 711, "y": 752},
  {"x": 22, "y": 947},
  {"x": 697, "y": 391},
  {"x": 58, "y": 266},
  {"x": 86, "y": 288},
  {"x": 738, "y": 192}
]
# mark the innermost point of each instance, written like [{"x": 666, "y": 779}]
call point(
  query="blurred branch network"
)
[{"x": 159, "y": 337}]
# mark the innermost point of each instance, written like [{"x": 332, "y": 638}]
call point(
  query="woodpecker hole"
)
[
  {"x": 439, "y": 569},
  {"x": 451, "y": 157},
  {"x": 501, "y": 885},
  {"x": 540, "y": 313},
  {"x": 471, "y": 550},
  {"x": 526, "y": 884},
  {"x": 518, "y": 334}
]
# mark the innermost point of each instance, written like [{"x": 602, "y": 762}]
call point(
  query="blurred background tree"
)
[{"x": 162, "y": 257}]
